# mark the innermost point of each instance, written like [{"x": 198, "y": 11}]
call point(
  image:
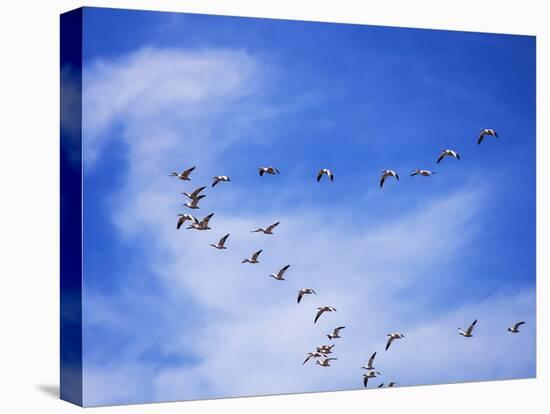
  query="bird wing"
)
[
  {"x": 380, "y": 386},
  {"x": 331, "y": 175},
  {"x": 382, "y": 180},
  {"x": 195, "y": 193},
  {"x": 517, "y": 325},
  {"x": 337, "y": 330},
  {"x": 371, "y": 360},
  {"x": 206, "y": 219},
  {"x": 481, "y": 136},
  {"x": 270, "y": 228},
  {"x": 396, "y": 175},
  {"x": 390, "y": 340},
  {"x": 282, "y": 271},
  {"x": 261, "y": 171},
  {"x": 307, "y": 359},
  {"x": 414, "y": 173},
  {"x": 188, "y": 171},
  {"x": 471, "y": 327},
  {"x": 318, "y": 314},
  {"x": 255, "y": 255},
  {"x": 181, "y": 220},
  {"x": 441, "y": 156},
  {"x": 300, "y": 294},
  {"x": 319, "y": 175},
  {"x": 365, "y": 381},
  {"x": 223, "y": 239}
]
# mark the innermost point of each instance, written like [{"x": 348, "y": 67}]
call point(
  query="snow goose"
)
[
  {"x": 448, "y": 153},
  {"x": 221, "y": 244},
  {"x": 468, "y": 333},
  {"x": 425, "y": 173},
  {"x": 280, "y": 273},
  {"x": 305, "y": 291},
  {"x": 325, "y": 362},
  {"x": 195, "y": 193},
  {"x": 219, "y": 178},
  {"x": 268, "y": 230},
  {"x": 484, "y": 132},
  {"x": 324, "y": 171},
  {"x": 335, "y": 333},
  {"x": 515, "y": 328},
  {"x": 392, "y": 337},
  {"x": 387, "y": 173},
  {"x": 193, "y": 204},
  {"x": 312, "y": 355},
  {"x": 325, "y": 349},
  {"x": 371, "y": 374},
  {"x": 369, "y": 366},
  {"x": 201, "y": 225},
  {"x": 183, "y": 175},
  {"x": 268, "y": 170},
  {"x": 183, "y": 218},
  {"x": 322, "y": 310},
  {"x": 253, "y": 259}
]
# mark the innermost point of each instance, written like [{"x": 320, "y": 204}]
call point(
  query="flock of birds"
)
[{"x": 323, "y": 353}]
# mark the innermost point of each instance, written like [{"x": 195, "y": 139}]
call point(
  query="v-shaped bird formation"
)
[{"x": 322, "y": 353}]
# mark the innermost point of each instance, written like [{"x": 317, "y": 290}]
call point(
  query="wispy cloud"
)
[{"x": 227, "y": 328}]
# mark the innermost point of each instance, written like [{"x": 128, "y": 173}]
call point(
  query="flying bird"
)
[
  {"x": 183, "y": 175},
  {"x": 201, "y": 225},
  {"x": 268, "y": 170},
  {"x": 325, "y": 349},
  {"x": 448, "y": 153},
  {"x": 336, "y": 333},
  {"x": 484, "y": 132},
  {"x": 424, "y": 173},
  {"x": 324, "y": 171},
  {"x": 392, "y": 337},
  {"x": 268, "y": 230},
  {"x": 468, "y": 333},
  {"x": 219, "y": 178},
  {"x": 221, "y": 244},
  {"x": 387, "y": 173},
  {"x": 253, "y": 259},
  {"x": 183, "y": 218},
  {"x": 280, "y": 273},
  {"x": 369, "y": 366},
  {"x": 306, "y": 291},
  {"x": 195, "y": 193},
  {"x": 325, "y": 362},
  {"x": 193, "y": 204},
  {"x": 515, "y": 327},
  {"x": 312, "y": 355},
  {"x": 371, "y": 374},
  {"x": 323, "y": 309}
]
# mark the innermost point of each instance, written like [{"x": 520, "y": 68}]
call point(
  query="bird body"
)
[
  {"x": 253, "y": 259},
  {"x": 219, "y": 178},
  {"x": 280, "y": 274},
  {"x": 268, "y": 170},
  {"x": 425, "y": 173},
  {"x": 306, "y": 291},
  {"x": 393, "y": 337},
  {"x": 324, "y": 171},
  {"x": 221, "y": 244},
  {"x": 267, "y": 230},
  {"x": 468, "y": 332},
  {"x": 322, "y": 310},
  {"x": 448, "y": 153},
  {"x": 184, "y": 175},
  {"x": 386, "y": 174},
  {"x": 484, "y": 132}
]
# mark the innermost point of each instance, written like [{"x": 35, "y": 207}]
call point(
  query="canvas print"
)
[{"x": 259, "y": 206}]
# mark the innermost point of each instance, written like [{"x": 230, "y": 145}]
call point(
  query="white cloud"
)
[{"x": 243, "y": 331}]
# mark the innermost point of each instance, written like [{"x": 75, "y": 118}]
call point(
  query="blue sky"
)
[{"x": 165, "y": 314}]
